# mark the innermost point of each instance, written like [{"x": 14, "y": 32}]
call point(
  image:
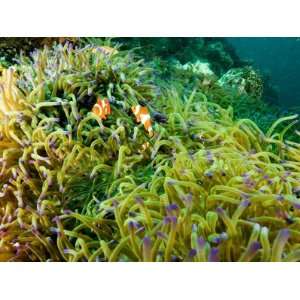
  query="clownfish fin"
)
[
  {"x": 102, "y": 108},
  {"x": 151, "y": 132},
  {"x": 142, "y": 115},
  {"x": 136, "y": 111}
]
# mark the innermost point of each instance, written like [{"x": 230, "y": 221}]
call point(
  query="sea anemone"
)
[{"x": 75, "y": 187}]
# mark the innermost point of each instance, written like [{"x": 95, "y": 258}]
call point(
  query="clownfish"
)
[
  {"x": 102, "y": 108},
  {"x": 142, "y": 115}
]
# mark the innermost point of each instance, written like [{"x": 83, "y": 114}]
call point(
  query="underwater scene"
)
[{"x": 149, "y": 149}]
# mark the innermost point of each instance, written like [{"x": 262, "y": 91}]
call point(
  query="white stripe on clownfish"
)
[
  {"x": 142, "y": 115},
  {"x": 136, "y": 110},
  {"x": 102, "y": 108}
]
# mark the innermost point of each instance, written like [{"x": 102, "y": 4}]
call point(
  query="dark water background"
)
[{"x": 280, "y": 57}]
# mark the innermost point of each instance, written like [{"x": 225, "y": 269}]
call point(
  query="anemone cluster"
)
[
  {"x": 10, "y": 47},
  {"x": 74, "y": 187}
]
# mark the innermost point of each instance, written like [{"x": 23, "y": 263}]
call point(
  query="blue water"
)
[{"x": 280, "y": 57}]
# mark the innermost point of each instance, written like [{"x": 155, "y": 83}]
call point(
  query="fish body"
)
[
  {"x": 142, "y": 116},
  {"x": 102, "y": 108}
]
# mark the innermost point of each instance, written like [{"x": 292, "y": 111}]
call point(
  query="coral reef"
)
[
  {"x": 216, "y": 50},
  {"x": 199, "y": 67},
  {"x": 75, "y": 186},
  {"x": 245, "y": 80}
]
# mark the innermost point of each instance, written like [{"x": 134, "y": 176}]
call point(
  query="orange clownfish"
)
[
  {"x": 142, "y": 115},
  {"x": 102, "y": 108}
]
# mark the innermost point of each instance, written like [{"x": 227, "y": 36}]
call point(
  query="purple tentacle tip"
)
[
  {"x": 280, "y": 197},
  {"x": 139, "y": 200},
  {"x": 219, "y": 210},
  {"x": 209, "y": 174},
  {"x": 217, "y": 240},
  {"x": 255, "y": 246},
  {"x": 167, "y": 220},
  {"x": 245, "y": 175},
  {"x": 189, "y": 197},
  {"x": 284, "y": 234},
  {"x": 192, "y": 253},
  {"x": 161, "y": 235},
  {"x": 147, "y": 241},
  {"x": 171, "y": 207},
  {"x": 55, "y": 219},
  {"x": 54, "y": 230},
  {"x": 173, "y": 219},
  {"x": 194, "y": 228},
  {"x": 201, "y": 242},
  {"x": 170, "y": 219},
  {"x": 296, "y": 205},
  {"x": 171, "y": 182},
  {"x": 175, "y": 258},
  {"x": 245, "y": 203},
  {"x": 213, "y": 255},
  {"x": 133, "y": 225},
  {"x": 224, "y": 236},
  {"x": 141, "y": 229}
]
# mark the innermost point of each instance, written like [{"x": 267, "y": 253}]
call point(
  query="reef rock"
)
[
  {"x": 198, "y": 67},
  {"x": 246, "y": 81}
]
